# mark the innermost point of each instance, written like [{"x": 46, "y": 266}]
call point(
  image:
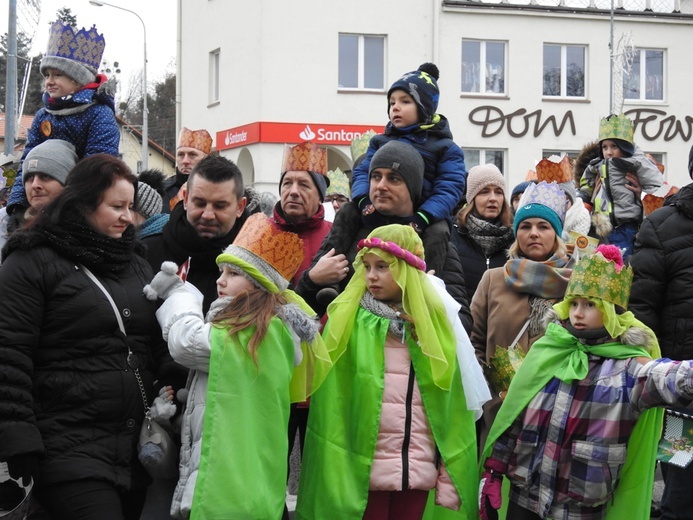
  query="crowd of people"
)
[{"x": 440, "y": 345}]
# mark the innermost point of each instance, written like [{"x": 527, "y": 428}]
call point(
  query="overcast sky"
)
[{"x": 122, "y": 31}]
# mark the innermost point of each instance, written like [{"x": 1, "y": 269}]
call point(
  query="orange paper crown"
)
[
  {"x": 276, "y": 254},
  {"x": 554, "y": 170},
  {"x": 305, "y": 157},
  {"x": 198, "y": 139},
  {"x": 652, "y": 202}
]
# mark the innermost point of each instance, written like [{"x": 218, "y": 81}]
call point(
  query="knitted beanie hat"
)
[
  {"x": 77, "y": 54},
  {"x": 543, "y": 200},
  {"x": 422, "y": 86},
  {"x": 481, "y": 176},
  {"x": 53, "y": 157},
  {"x": 569, "y": 189},
  {"x": 520, "y": 188},
  {"x": 404, "y": 159},
  {"x": 149, "y": 202}
]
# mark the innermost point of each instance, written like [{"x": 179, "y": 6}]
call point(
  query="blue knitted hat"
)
[
  {"x": 422, "y": 86},
  {"x": 543, "y": 200}
]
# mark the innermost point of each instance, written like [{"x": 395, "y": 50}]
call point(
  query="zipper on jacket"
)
[
  {"x": 407, "y": 429},
  {"x": 488, "y": 261}
]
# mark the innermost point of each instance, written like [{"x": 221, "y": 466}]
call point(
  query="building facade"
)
[{"x": 519, "y": 80}]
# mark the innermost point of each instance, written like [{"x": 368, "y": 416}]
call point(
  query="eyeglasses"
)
[{"x": 337, "y": 200}]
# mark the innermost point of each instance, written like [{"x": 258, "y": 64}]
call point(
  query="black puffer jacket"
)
[
  {"x": 662, "y": 291},
  {"x": 66, "y": 391}
]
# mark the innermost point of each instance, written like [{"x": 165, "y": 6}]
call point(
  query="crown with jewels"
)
[
  {"x": 602, "y": 276},
  {"x": 84, "y": 46},
  {"x": 274, "y": 255}
]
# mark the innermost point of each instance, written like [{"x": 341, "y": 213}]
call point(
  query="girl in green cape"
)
[
  {"x": 257, "y": 351},
  {"x": 391, "y": 421},
  {"x": 577, "y": 434}
]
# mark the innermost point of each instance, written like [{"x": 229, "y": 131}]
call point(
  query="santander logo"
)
[{"x": 307, "y": 134}]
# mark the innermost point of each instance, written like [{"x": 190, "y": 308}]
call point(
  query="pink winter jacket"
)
[{"x": 405, "y": 439}]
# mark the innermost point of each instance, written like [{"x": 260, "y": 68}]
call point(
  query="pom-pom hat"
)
[
  {"x": 197, "y": 139},
  {"x": 543, "y": 200},
  {"x": 265, "y": 253},
  {"x": 422, "y": 86},
  {"x": 149, "y": 201},
  {"x": 482, "y": 176},
  {"x": 77, "y": 54}
]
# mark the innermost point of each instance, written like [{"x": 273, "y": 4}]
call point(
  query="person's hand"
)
[
  {"x": 490, "y": 495},
  {"x": 23, "y": 467},
  {"x": 164, "y": 282},
  {"x": 633, "y": 184},
  {"x": 330, "y": 269},
  {"x": 163, "y": 407}
]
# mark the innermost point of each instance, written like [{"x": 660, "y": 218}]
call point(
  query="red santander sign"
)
[{"x": 264, "y": 132}]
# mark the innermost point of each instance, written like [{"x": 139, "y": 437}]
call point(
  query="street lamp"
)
[{"x": 145, "y": 114}]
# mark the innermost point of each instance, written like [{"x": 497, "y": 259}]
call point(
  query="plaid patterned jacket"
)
[{"x": 565, "y": 451}]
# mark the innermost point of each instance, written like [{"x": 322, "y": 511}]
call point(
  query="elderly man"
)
[
  {"x": 45, "y": 170},
  {"x": 193, "y": 146},
  {"x": 208, "y": 220},
  {"x": 396, "y": 176},
  {"x": 302, "y": 188}
]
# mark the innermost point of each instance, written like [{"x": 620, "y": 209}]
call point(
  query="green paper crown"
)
[
  {"x": 596, "y": 277},
  {"x": 359, "y": 145},
  {"x": 339, "y": 183},
  {"x": 616, "y": 127}
]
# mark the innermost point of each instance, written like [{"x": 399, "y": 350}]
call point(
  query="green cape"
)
[
  {"x": 344, "y": 420},
  {"x": 243, "y": 462},
  {"x": 559, "y": 354}
]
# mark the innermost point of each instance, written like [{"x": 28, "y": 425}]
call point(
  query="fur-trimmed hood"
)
[
  {"x": 634, "y": 336},
  {"x": 588, "y": 153}
]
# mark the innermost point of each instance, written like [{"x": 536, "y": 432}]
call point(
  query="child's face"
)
[
  {"x": 379, "y": 280},
  {"x": 584, "y": 315},
  {"x": 230, "y": 283},
  {"x": 403, "y": 109},
  {"x": 610, "y": 149},
  {"x": 58, "y": 84}
]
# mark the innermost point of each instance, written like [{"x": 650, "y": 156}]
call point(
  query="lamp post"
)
[{"x": 145, "y": 114}]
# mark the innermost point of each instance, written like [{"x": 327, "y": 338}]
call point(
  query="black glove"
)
[
  {"x": 11, "y": 495},
  {"x": 23, "y": 467}
]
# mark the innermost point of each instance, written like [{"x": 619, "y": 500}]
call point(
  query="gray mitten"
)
[{"x": 164, "y": 282}]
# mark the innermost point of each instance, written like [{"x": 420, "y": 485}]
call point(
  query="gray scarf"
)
[
  {"x": 491, "y": 236},
  {"x": 383, "y": 310}
]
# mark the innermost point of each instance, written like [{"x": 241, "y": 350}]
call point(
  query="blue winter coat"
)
[
  {"x": 89, "y": 123},
  {"x": 445, "y": 175}
]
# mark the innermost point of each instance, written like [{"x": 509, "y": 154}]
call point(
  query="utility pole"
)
[{"x": 11, "y": 80}]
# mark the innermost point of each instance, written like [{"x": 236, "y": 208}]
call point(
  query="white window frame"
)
[
  {"x": 361, "y": 65},
  {"x": 482, "y": 69},
  {"x": 214, "y": 75},
  {"x": 643, "y": 78},
  {"x": 564, "y": 71},
  {"x": 482, "y": 157}
]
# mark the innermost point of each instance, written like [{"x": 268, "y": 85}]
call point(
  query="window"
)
[
  {"x": 361, "y": 62},
  {"x": 646, "y": 79},
  {"x": 476, "y": 156},
  {"x": 564, "y": 70},
  {"x": 483, "y": 67},
  {"x": 214, "y": 76}
]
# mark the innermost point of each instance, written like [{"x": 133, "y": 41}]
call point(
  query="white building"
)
[{"x": 518, "y": 81}]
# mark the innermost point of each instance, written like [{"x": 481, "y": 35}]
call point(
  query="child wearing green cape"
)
[
  {"x": 577, "y": 434},
  {"x": 392, "y": 420}
]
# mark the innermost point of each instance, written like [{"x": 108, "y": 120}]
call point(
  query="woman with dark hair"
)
[
  {"x": 484, "y": 227},
  {"x": 74, "y": 375}
]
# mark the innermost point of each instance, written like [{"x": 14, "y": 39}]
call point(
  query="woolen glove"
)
[
  {"x": 23, "y": 467},
  {"x": 164, "y": 282},
  {"x": 490, "y": 494}
]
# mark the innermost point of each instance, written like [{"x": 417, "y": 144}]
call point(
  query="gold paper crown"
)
[
  {"x": 281, "y": 250},
  {"x": 305, "y": 157},
  {"x": 359, "y": 145},
  {"x": 83, "y": 46},
  {"x": 553, "y": 170},
  {"x": 198, "y": 139},
  {"x": 616, "y": 127},
  {"x": 652, "y": 202},
  {"x": 596, "y": 277}
]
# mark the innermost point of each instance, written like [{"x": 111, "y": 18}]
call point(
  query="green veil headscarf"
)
[{"x": 402, "y": 249}]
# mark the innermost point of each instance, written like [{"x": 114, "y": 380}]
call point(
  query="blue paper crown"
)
[{"x": 83, "y": 46}]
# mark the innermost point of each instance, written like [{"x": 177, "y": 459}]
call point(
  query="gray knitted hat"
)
[
  {"x": 79, "y": 72},
  {"x": 53, "y": 157},
  {"x": 404, "y": 159},
  {"x": 149, "y": 202},
  {"x": 569, "y": 189}
]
